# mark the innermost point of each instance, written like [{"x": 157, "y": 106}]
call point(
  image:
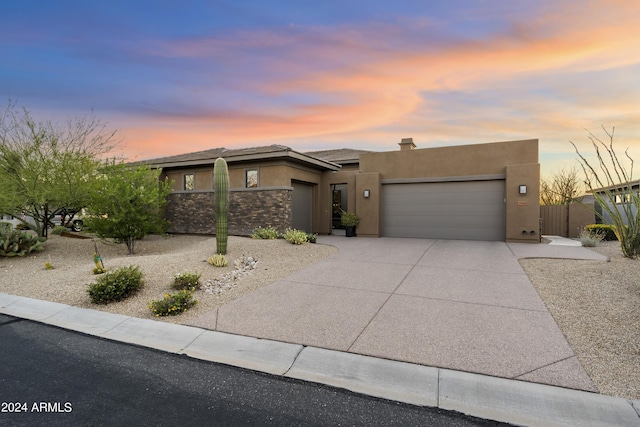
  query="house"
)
[
  {"x": 622, "y": 198},
  {"x": 473, "y": 192}
]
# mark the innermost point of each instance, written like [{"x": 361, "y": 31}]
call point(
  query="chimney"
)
[{"x": 406, "y": 144}]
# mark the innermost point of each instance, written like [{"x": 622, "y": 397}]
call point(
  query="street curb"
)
[{"x": 497, "y": 399}]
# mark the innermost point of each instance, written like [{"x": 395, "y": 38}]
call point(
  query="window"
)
[
  {"x": 189, "y": 182},
  {"x": 251, "y": 178}
]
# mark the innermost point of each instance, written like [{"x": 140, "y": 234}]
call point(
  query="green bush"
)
[
  {"x": 116, "y": 285},
  {"x": 295, "y": 237},
  {"x": 18, "y": 243},
  {"x": 265, "y": 233},
  {"x": 312, "y": 237},
  {"x": 58, "y": 230},
  {"x": 186, "y": 280},
  {"x": 173, "y": 304},
  {"x": 607, "y": 229}
]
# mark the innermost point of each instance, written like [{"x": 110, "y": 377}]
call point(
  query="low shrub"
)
[
  {"x": 312, "y": 237},
  {"x": 116, "y": 285},
  {"x": 590, "y": 238},
  {"x": 186, "y": 280},
  {"x": 218, "y": 260},
  {"x": 295, "y": 237},
  {"x": 607, "y": 229},
  {"x": 269, "y": 233},
  {"x": 18, "y": 243},
  {"x": 173, "y": 304},
  {"x": 58, "y": 230}
]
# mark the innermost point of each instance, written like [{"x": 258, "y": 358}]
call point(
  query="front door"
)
[{"x": 338, "y": 204}]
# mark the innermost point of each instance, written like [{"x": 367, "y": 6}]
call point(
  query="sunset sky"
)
[{"x": 181, "y": 76}]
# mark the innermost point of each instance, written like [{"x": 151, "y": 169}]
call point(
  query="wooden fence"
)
[{"x": 566, "y": 220}]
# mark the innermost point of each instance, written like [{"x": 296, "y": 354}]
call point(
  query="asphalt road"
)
[{"x": 50, "y": 376}]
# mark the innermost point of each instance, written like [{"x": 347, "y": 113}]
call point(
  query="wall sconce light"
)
[
  {"x": 367, "y": 193},
  {"x": 523, "y": 189}
]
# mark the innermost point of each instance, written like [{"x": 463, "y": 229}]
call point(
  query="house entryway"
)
[{"x": 338, "y": 204}]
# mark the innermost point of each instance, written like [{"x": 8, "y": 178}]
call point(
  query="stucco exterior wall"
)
[
  {"x": 515, "y": 161},
  {"x": 463, "y": 160},
  {"x": 522, "y": 210}
]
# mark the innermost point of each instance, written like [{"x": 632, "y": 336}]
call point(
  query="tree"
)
[
  {"x": 610, "y": 180},
  {"x": 46, "y": 167},
  {"x": 127, "y": 203},
  {"x": 562, "y": 188}
]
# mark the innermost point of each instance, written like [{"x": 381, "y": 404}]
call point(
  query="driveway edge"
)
[{"x": 480, "y": 396}]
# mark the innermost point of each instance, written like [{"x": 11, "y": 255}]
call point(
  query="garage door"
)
[{"x": 470, "y": 210}]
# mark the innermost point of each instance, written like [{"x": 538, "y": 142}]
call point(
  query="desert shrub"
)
[
  {"x": 607, "y": 229},
  {"x": 264, "y": 233},
  {"x": 218, "y": 260},
  {"x": 186, "y": 280},
  {"x": 590, "y": 238},
  {"x": 312, "y": 237},
  {"x": 295, "y": 237},
  {"x": 116, "y": 285},
  {"x": 173, "y": 304},
  {"x": 18, "y": 243},
  {"x": 58, "y": 230}
]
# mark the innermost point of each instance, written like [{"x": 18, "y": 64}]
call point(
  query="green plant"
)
[
  {"x": 312, "y": 237},
  {"x": 116, "y": 285},
  {"x": 218, "y": 260},
  {"x": 127, "y": 203},
  {"x": 349, "y": 219},
  {"x": 590, "y": 238},
  {"x": 99, "y": 270},
  {"x": 606, "y": 229},
  {"x": 18, "y": 243},
  {"x": 221, "y": 187},
  {"x": 264, "y": 233},
  {"x": 295, "y": 237},
  {"x": 186, "y": 280},
  {"x": 173, "y": 304},
  {"x": 58, "y": 230}
]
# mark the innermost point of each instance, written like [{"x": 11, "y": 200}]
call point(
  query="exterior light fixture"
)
[
  {"x": 367, "y": 193},
  {"x": 523, "y": 189}
]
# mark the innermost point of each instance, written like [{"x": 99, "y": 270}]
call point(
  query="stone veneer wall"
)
[{"x": 195, "y": 213}]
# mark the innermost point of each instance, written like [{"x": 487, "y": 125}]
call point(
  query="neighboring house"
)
[
  {"x": 622, "y": 201},
  {"x": 474, "y": 192}
]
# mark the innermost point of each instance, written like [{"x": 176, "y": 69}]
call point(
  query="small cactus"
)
[
  {"x": 221, "y": 187},
  {"x": 218, "y": 260}
]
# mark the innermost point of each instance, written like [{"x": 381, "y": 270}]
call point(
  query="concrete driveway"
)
[{"x": 461, "y": 305}]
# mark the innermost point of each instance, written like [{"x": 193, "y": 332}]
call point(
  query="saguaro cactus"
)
[{"x": 221, "y": 187}]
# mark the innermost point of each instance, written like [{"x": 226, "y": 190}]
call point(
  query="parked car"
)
[{"x": 62, "y": 218}]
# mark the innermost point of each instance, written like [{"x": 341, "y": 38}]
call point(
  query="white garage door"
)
[{"x": 470, "y": 210}]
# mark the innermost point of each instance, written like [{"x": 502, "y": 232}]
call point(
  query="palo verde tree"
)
[
  {"x": 610, "y": 180},
  {"x": 562, "y": 188},
  {"x": 127, "y": 203},
  {"x": 45, "y": 166}
]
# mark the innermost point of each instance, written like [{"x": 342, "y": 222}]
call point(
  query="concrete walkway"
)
[{"x": 452, "y": 324}]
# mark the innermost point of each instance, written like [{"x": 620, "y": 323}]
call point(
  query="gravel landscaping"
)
[
  {"x": 597, "y": 307},
  {"x": 596, "y": 304}
]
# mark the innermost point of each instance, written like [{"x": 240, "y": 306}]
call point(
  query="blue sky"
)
[{"x": 179, "y": 76}]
